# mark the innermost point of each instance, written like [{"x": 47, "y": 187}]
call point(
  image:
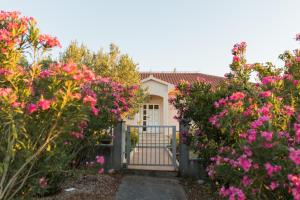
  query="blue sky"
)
[{"x": 160, "y": 35}]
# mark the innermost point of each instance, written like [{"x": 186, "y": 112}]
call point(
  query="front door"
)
[{"x": 151, "y": 116}]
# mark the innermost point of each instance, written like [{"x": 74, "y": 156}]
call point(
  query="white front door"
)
[{"x": 151, "y": 115}]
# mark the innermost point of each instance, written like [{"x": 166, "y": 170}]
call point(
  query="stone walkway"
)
[{"x": 150, "y": 188}]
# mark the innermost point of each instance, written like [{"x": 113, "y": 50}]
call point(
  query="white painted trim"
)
[{"x": 151, "y": 77}]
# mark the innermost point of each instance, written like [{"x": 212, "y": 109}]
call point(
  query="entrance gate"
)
[{"x": 151, "y": 147}]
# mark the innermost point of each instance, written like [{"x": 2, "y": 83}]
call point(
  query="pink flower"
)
[
  {"x": 101, "y": 171},
  {"x": 295, "y": 156},
  {"x": 43, "y": 182},
  {"x": 100, "y": 160},
  {"x": 247, "y": 151},
  {"x": 297, "y": 59},
  {"x": 246, "y": 181},
  {"x": 272, "y": 169},
  {"x": 265, "y": 109},
  {"x": 237, "y": 96},
  {"x": 265, "y": 94},
  {"x": 259, "y": 122},
  {"x": 297, "y": 132},
  {"x": 31, "y": 108},
  {"x": 45, "y": 74},
  {"x": 244, "y": 163},
  {"x": 295, "y": 183},
  {"x": 69, "y": 68},
  {"x": 95, "y": 111},
  {"x": 274, "y": 185},
  {"x": 44, "y": 104},
  {"x": 236, "y": 59},
  {"x": 89, "y": 100},
  {"x": 267, "y": 135},
  {"x": 289, "y": 110},
  {"x": 269, "y": 79},
  {"x": 49, "y": 41},
  {"x": 233, "y": 193},
  {"x": 251, "y": 135}
]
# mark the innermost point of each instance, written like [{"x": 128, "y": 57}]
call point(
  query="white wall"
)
[{"x": 159, "y": 91}]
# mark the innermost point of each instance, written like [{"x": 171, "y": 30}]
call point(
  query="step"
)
[{"x": 151, "y": 173}]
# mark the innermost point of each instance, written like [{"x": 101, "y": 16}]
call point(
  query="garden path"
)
[{"x": 150, "y": 188}]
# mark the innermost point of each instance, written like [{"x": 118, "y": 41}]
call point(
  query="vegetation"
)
[
  {"x": 254, "y": 128},
  {"x": 48, "y": 110}
]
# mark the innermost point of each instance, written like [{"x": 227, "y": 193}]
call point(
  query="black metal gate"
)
[{"x": 151, "y": 146}]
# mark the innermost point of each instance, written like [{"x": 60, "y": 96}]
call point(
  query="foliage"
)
[
  {"x": 259, "y": 155},
  {"x": 114, "y": 65},
  {"x": 194, "y": 102},
  {"x": 46, "y": 109}
]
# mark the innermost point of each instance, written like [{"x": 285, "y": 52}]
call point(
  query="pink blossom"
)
[
  {"x": 295, "y": 156},
  {"x": 247, "y": 151},
  {"x": 267, "y": 135},
  {"x": 269, "y": 79},
  {"x": 297, "y": 132},
  {"x": 246, "y": 181},
  {"x": 100, "y": 159},
  {"x": 295, "y": 183},
  {"x": 237, "y": 96},
  {"x": 233, "y": 193},
  {"x": 49, "y": 41},
  {"x": 236, "y": 59},
  {"x": 289, "y": 110},
  {"x": 45, "y": 74},
  {"x": 244, "y": 163},
  {"x": 44, "y": 104},
  {"x": 101, "y": 171},
  {"x": 297, "y": 59},
  {"x": 272, "y": 169},
  {"x": 265, "y": 109},
  {"x": 274, "y": 185},
  {"x": 259, "y": 122},
  {"x": 251, "y": 135},
  {"x": 95, "y": 111},
  {"x": 31, "y": 108},
  {"x": 265, "y": 94},
  {"x": 70, "y": 67},
  {"x": 89, "y": 100}
]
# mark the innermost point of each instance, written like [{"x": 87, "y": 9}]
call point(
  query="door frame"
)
[{"x": 145, "y": 122}]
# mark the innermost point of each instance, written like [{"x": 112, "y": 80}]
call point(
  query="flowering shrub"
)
[
  {"x": 257, "y": 155},
  {"x": 263, "y": 122},
  {"x": 45, "y": 112},
  {"x": 194, "y": 102}
]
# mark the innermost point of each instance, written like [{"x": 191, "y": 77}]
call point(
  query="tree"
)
[{"x": 119, "y": 67}]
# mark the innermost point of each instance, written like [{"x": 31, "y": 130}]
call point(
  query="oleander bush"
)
[
  {"x": 258, "y": 124},
  {"x": 48, "y": 110}
]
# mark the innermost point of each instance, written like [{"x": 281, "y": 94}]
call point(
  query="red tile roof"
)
[{"x": 175, "y": 77}]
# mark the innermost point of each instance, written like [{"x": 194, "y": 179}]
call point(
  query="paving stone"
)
[{"x": 150, "y": 188}]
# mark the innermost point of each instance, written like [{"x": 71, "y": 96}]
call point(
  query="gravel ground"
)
[
  {"x": 196, "y": 191},
  {"x": 89, "y": 186}
]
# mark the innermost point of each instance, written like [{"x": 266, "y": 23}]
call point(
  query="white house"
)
[{"x": 160, "y": 86}]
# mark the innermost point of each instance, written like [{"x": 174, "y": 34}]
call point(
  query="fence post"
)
[
  {"x": 183, "y": 148},
  {"x": 118, "y": 145}
]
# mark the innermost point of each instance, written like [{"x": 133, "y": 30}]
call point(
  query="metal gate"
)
[{"x": 151, "y": 146}]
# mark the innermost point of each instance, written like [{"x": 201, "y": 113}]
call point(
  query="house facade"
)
[{"x": 160, "y": 87}]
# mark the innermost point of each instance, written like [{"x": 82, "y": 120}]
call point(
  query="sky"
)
[{"x": 160, "y": 35}]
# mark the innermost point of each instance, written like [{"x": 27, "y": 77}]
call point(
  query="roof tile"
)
[{"x": 175, "y": 77}]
